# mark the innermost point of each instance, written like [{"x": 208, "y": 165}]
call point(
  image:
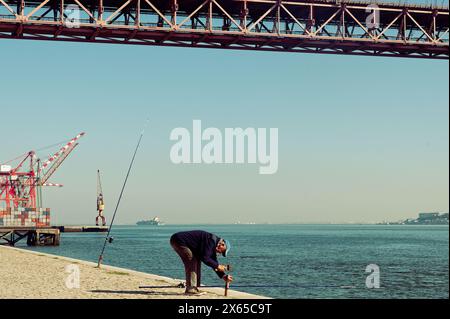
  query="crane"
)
[
  {"x": 57, "y": 159},
  {"x": 20, "y": 187},
  {"x": 100, "y": 201}
]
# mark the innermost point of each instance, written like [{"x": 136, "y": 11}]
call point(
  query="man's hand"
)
[
  {"x": 222, "y": 268},
  {"x": 228, "y": 278}
]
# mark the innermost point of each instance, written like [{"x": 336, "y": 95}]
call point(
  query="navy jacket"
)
[{"x": 203, "y": 246}]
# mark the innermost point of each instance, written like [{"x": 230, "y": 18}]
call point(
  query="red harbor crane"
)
[{"x": 20, "y": 186}]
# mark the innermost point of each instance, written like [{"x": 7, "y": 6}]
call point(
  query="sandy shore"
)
[{"x": 27, "y": 274}]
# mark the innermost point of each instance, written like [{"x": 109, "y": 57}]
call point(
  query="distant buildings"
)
[
  {"x": 428, "y": 216},
  {"x": 432, "y": 218}
]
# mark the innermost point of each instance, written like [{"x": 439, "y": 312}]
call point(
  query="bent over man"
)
[{"x": 198, "y": 246}]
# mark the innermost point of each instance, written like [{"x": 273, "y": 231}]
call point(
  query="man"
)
[{"x": 198, "y": 246}]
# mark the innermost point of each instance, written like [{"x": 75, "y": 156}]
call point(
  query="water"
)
[{"x": 317, "y": 259}]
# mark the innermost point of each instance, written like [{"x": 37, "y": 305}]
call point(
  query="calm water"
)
[{"x": 317, "y": 259}]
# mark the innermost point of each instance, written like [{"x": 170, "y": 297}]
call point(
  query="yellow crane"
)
[{"x": 100, "y": 201}]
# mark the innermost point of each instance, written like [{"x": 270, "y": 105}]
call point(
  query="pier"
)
[
  {"x": 43, "y": 236},
  {"x": 38, "y": 275},
  {"x": 35, "y": 236},
  {"x": 82, "y": 229}
]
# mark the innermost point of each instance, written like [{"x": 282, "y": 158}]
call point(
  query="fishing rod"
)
[{"x": 108, "y": 238}]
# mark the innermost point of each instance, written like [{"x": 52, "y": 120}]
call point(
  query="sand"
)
[{"x": 28, "y": 274}]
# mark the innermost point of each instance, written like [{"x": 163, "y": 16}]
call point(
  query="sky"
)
[{"x": 361, "y": 139}]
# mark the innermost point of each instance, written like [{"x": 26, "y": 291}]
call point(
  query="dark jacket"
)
[{"x": 203, "y": 246}]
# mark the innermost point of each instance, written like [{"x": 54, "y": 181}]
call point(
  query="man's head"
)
[{"x": 223, "y": 247}]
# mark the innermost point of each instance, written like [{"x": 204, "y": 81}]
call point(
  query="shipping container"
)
[
  {"x": 30, "y": 217},
  {"x": 5, "y": 168}
]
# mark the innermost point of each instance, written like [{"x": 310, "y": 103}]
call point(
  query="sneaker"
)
[{"x": 194, "y": 292}]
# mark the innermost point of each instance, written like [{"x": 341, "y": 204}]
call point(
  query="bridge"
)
[{"x": 347, "y": 27}]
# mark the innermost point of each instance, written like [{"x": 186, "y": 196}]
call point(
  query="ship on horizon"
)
[{"x": 152, "y": 222}]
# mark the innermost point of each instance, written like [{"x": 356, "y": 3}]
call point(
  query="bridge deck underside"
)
[{"x": 319, "y": 26}]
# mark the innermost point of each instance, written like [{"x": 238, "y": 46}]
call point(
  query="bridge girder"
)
[{"x": 309, "y": 26}]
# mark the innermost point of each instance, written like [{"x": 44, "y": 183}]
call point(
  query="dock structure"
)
[
  {"x": 35, "y": 236},
  {"x": 43, "y": 236},
  {"x": 82, "y": 229}
]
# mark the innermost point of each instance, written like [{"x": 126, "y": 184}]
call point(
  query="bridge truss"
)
[{"x": 309, "y": 26}]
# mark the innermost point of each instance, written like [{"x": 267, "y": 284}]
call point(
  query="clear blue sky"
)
[{"x": 361, "y": 138}]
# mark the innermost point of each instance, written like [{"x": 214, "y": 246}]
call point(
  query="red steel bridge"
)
[{"x": 310, "y": 26}]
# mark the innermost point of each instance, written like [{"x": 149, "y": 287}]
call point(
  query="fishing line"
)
[{"x": 108, "y": 238}]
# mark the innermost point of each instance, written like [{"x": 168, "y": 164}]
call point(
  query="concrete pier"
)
[
  {"x": 35, "y": 236},
  {"x": 82, "y": 229},
  {"x": 37, "y": 275}
]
